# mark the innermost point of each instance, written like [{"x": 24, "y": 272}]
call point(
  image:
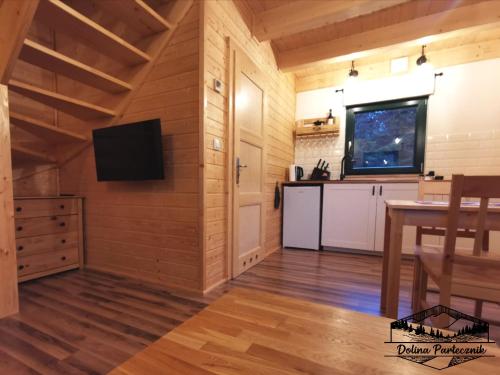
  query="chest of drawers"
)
[{"x": 49, "y": 235}]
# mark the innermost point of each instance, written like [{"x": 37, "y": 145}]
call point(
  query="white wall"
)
[{"x": 463, "y": 122}]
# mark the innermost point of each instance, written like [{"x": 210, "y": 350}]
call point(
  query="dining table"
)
[{"x": 400, "y": 213}]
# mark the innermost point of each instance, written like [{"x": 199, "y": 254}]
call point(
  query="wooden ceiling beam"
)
[
  {"x": 305, "y": 15},
  {"x": 46, "y": 58},
  {"x": 67, "y": 104},
  {"x": 418, "y": 31},
  {"x": 59, "y": 16},
  {"x": 15, "y": 21},
  {"x": 23, "y": 154}
]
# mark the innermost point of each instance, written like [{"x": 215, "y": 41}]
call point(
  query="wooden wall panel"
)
[
  {"x": 222, "y": 21},
  {"x": 9, "y": 303},
  {"x": 149, "y": 229}
]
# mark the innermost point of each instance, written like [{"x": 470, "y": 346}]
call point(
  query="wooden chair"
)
[
  {"x": 471, "y": 274},
  {"x": 442, "y": 188}
]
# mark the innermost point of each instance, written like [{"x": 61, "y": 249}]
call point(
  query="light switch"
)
[{"x": 217, "y": 144}]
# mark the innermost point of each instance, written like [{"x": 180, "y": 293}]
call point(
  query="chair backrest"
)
[
  {"x": 482, "y": 187},
  {"x": 431, "y": 188}
]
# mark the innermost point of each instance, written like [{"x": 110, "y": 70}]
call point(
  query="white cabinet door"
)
[
  {"x": 349, "y": 216},
  {"x": 384, "y": 192}
]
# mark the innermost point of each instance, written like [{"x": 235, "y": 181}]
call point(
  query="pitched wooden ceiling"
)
[{"x": 307, "y": 33}]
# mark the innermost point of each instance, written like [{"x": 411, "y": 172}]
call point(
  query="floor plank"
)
[{"x": 90, "y": 322}]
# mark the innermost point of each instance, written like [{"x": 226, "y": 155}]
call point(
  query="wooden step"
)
[
  {"x": 22, "y": 154},
  {"x": 137, "y": 14},
  {"x": 46, "y": 58},
  {"x": 61, "y": 17},
  {"x": 62, "y": 102},
  {"x": 49, "y": 133}
]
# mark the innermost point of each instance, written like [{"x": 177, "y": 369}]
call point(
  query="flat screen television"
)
[{"x": 129, "y": 152}]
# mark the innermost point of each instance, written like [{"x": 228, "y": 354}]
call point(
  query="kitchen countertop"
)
[{"x": 354, "y": 181}]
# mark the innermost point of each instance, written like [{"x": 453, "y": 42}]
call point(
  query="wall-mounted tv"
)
[{"x": 129, "y": 152}]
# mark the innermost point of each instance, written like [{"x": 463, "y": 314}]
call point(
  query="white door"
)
[
  {"x": 249, "y": 210},
  {"x": 349, "y": 216},
  {"x": 301, "y": 216},
  {"x": 384, "y": 192}
]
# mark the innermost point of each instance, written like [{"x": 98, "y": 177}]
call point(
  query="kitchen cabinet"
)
[
  {"x": 354, "y": 214},
  {"x": 349, "y": 212}
]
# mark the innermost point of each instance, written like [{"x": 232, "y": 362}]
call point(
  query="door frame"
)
[{"x": 235, "y": 50}]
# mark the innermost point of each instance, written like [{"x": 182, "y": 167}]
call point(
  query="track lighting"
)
[
  {"x": 422, "y": 59},
  {"x": 353, "y": 72}
]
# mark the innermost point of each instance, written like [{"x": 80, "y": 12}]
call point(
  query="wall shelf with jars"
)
[{"x": 317, "y": 127}]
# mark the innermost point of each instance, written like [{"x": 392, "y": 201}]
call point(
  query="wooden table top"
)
[
  {"x": 257, "y": 333},
  {"x": 436, "y": 205}
]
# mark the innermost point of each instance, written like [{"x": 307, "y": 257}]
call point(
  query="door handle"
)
[
  {"x": 238, "y": 170},
  {"x": 380, "y": 190},
  {"x": 373, "y": 190}
]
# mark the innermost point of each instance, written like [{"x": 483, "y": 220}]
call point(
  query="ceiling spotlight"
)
[
  {"x": 353, "y": 72},
  {"x": 422, "y": 59}
]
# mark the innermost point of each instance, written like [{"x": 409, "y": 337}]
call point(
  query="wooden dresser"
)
[{"x": 49, "y": 235}]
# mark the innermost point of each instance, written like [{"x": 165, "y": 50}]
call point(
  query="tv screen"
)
[{"x": 129, "y": 152}]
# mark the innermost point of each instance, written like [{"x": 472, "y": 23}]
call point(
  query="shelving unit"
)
[
  {"x": 306, "y": 128},
  {"x": 23, "y": 154}
]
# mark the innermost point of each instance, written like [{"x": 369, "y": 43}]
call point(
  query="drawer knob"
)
[
  {"x": 63, "y": 258},
  {"x": 21, "y": 267},
  {"x": 63, "y": 224},
  {"x": 61, "y": 206},
  {"x": 20, "y": 248},
  {"x": 63, "y": 241},
  {"x": 19, "y": 209},
  {"x": 19, "y": 228}
]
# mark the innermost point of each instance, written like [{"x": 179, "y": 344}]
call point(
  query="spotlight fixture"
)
[
  {"x": 353, "y": 72},
  {"x": 422, "y": 59}
]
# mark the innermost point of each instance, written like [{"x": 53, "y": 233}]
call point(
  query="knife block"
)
[{"x": 319, "y": 174}]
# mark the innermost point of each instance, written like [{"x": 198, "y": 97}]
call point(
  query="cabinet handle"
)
[
  {"x": 20, "y": 248},
  {"x": 380, "y": 190},
  {"x": 373, "y": 190},
  {"x": 63, "y": 224},
  {"x": 19, "y": 209},
  {"x": 63, "y": 258},
  {"x": 19, "y": 228},
  {"x": 63, "y": 241},
  {"x": 20, "y": 267},
  {"x": 61, "y": 206}
]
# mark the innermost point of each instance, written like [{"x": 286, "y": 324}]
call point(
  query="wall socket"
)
[
  {"x": 216, "y": 144},
  {"x": 217, "y": 85}
]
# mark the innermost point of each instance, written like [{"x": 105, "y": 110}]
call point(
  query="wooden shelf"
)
[
  {"x": 49, "y": 133},
  {"x": 56, "y": 62},
  {"x": 138, "y": 15},
  {"x": 64, "y": 103},
  {"x": 23, "y": 154},
  {"x": 306, "y": 128},
  {"x": 57, "y": 15}
]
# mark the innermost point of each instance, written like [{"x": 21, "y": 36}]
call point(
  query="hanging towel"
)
[{"x": 277, "y": 197}]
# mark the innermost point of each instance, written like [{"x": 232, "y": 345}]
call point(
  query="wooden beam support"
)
[
  {"x": 431, "y": 27},
  {"x": 9, "y": 300},
  {"x": 46, "y": 58},
  {"x": 58, "y": 15},
  {"x": 15, "y": 21},
  {"x": 65, "y": 103},
  {"x": 305, "y": 15},
  {"x": 50, "y": 133},
  {"x": 138, "y": 15}
]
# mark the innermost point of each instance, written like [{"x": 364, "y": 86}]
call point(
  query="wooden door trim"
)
[{"x": 232, "y": 237}]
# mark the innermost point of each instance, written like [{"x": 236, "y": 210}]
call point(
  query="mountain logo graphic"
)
[{"x": 439, "y": 337}]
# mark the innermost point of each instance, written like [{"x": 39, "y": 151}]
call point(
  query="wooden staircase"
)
[{"x": 95, "y": 53}]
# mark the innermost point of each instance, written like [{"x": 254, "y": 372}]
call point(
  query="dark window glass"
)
[{"x": 386, "y": 138}]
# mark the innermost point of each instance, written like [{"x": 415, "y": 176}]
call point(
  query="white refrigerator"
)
[{"x": 302, "y": 216}]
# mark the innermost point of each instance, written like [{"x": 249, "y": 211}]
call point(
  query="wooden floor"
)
[
  {"x": 248, "y": 332},
  {"x": 85, "y": 322}
]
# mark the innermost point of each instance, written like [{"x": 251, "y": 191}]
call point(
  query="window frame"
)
[{"x": 420, "y": 133}]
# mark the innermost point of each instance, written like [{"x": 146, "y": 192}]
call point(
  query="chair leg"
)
[
  {"x": 478, "y": 308},
  {"x": 444, "y": 299}
]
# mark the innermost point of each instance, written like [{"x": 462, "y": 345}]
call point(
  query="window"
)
[{"x": 386, "y": 138}]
